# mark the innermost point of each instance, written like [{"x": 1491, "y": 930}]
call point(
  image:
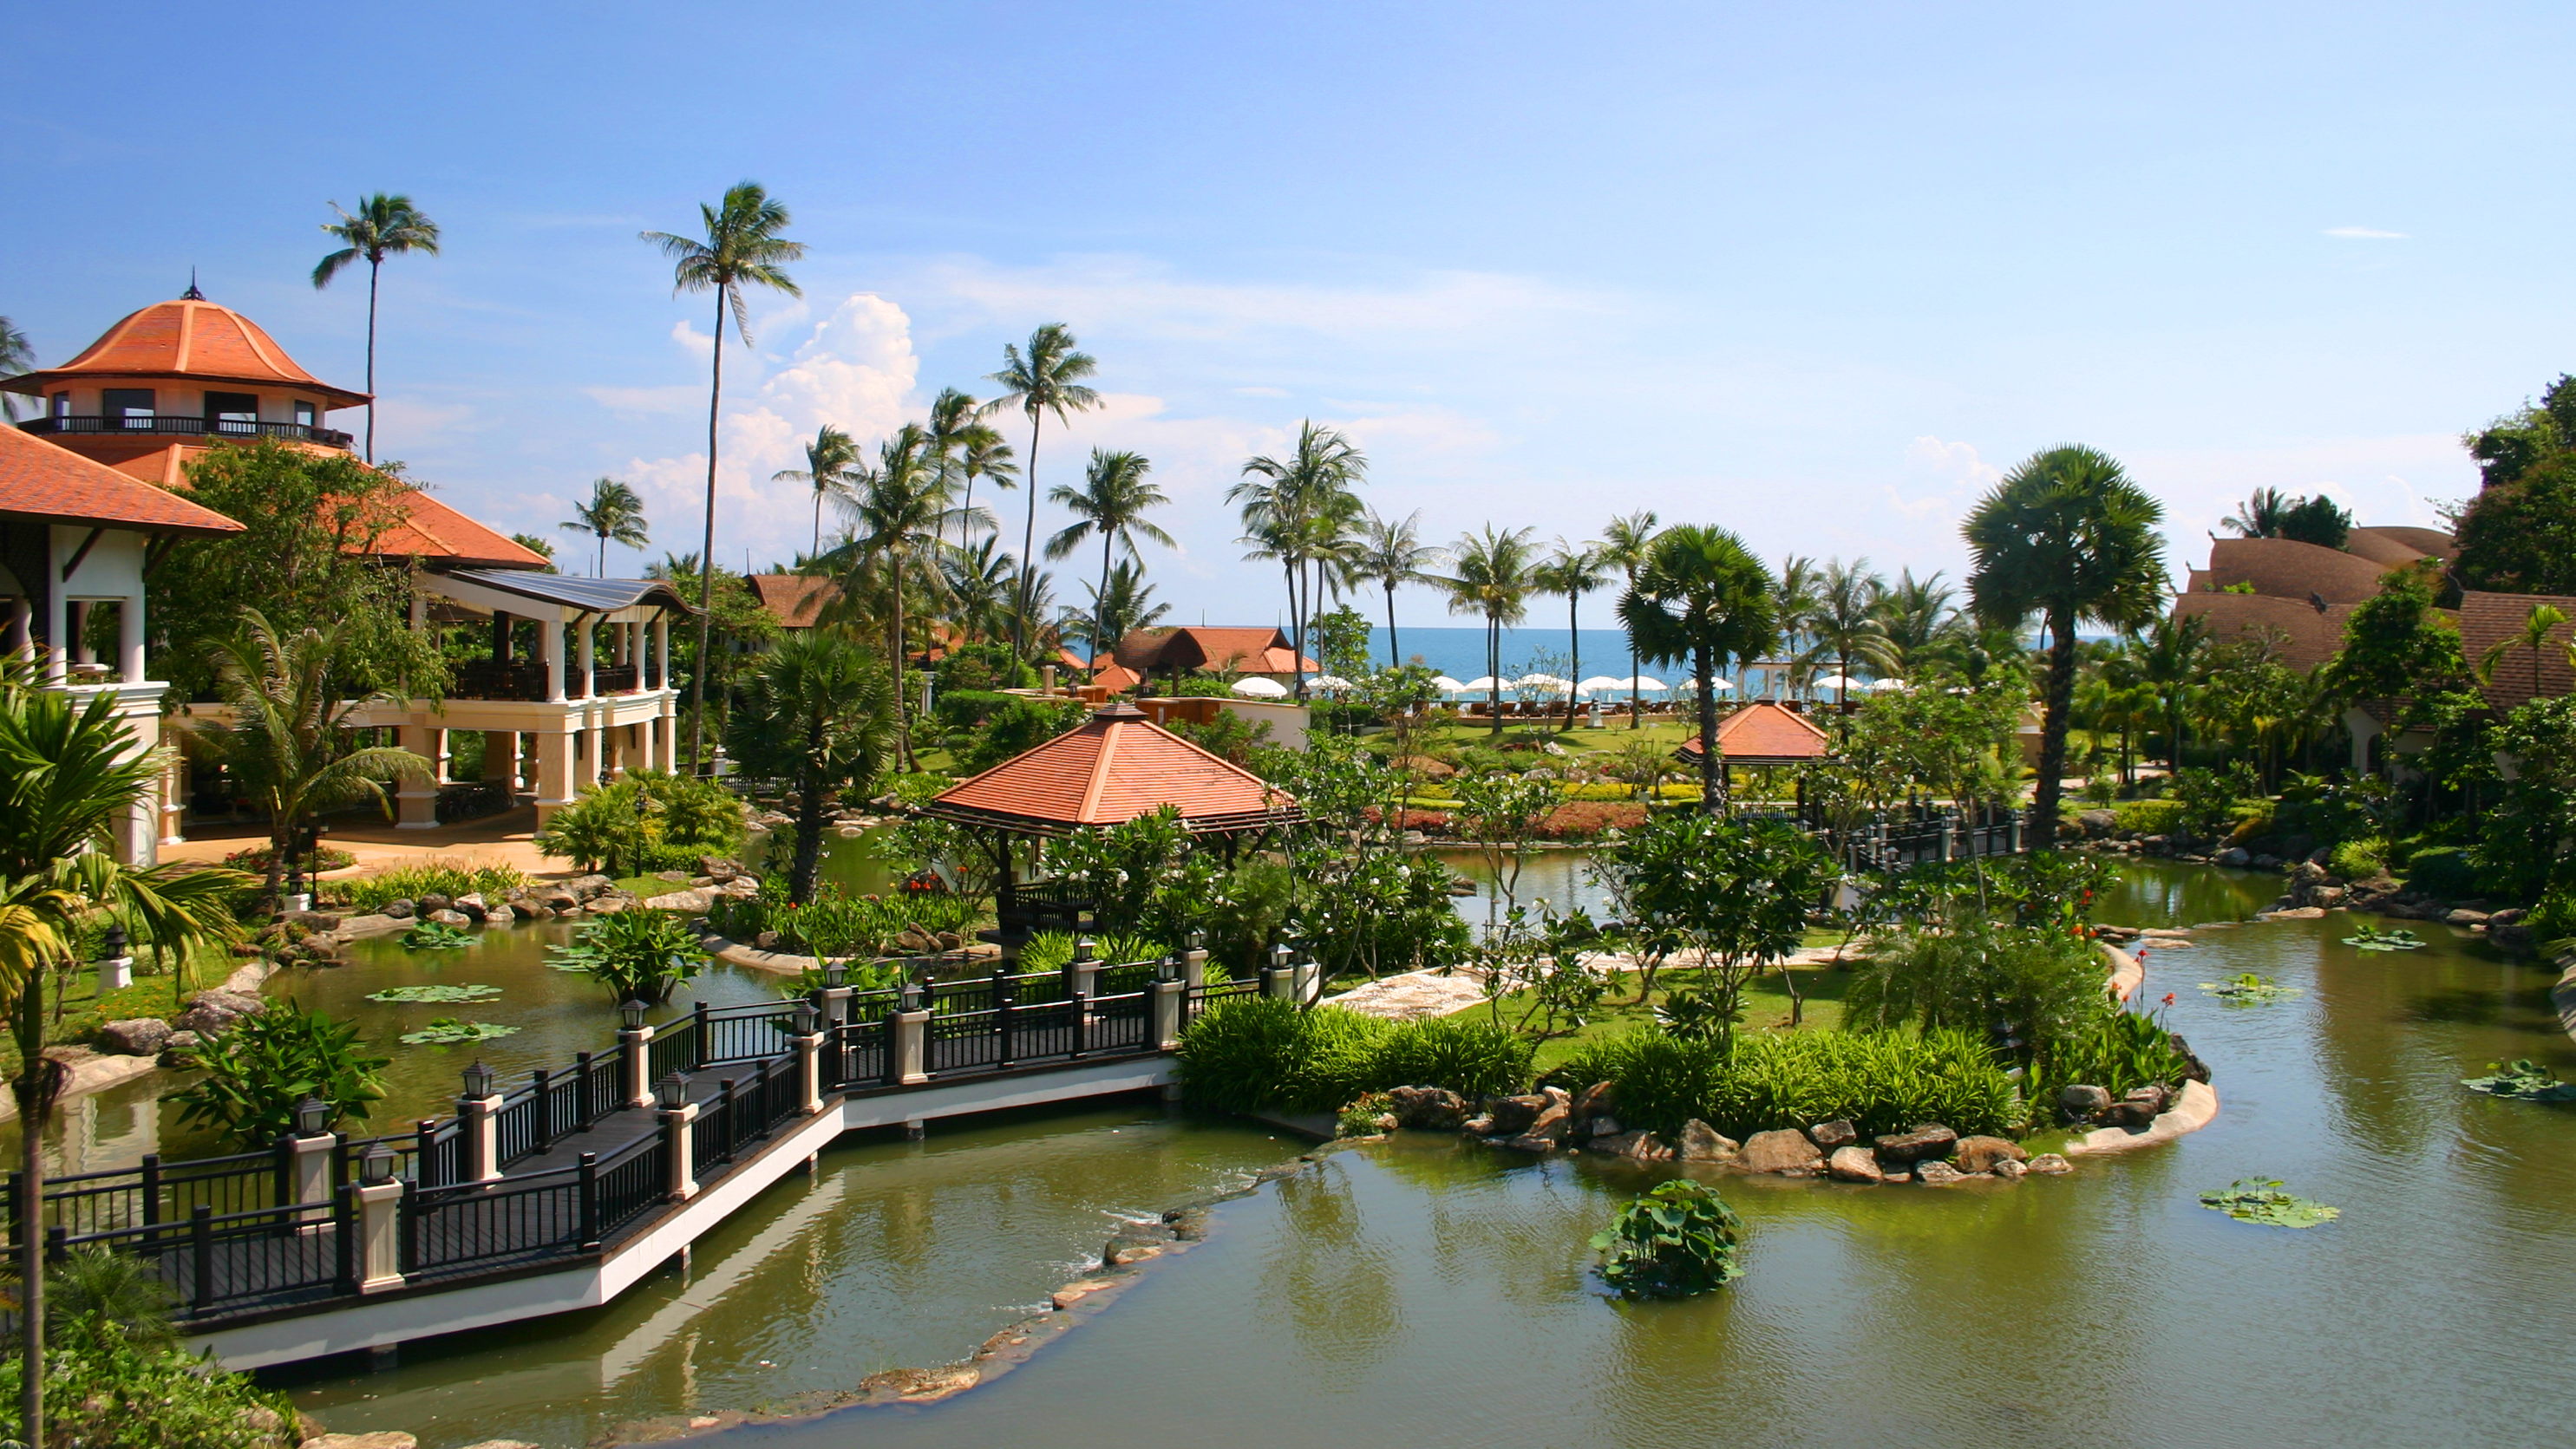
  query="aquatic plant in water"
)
[
  {"x": 2261, "y": 1200},
  {"x": 2372, "y": 939},
  {"x": 403, "y": 995},
  {"x": 2523, "y": 1080},
  {"x": 1675, "y": 1241},
  {"x": 435, "y": 936},
  {"x": 2248, "y": 989},
  {"x": 448, "y": 1031}
]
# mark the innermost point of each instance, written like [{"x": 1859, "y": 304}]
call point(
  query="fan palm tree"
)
[
  {"x": 1573, "y": 572},
  {"x": 1491, "y": 579},
  {"x": 2066, "y": 536},
  {"x": 743, "y": 248},
  {"x": 897, "y": 523},
  {"x": 817, "y": 712},
  {"x": 1123, "y": 604},
  {"x": 17, "y": 355},
  {"x": 1390, "y": 556},
  {"x": 1110, "y": 503},
  {"x": 70, "y": 774},
  {"x": 2533, "y": 635},
  {"x": 1299, "y": 511},
  {"x": 1843, "y": 621},
  {"x": 614, "y": 514},
  {"x": 289, "y": 739},
  {"x": 1623, "y": 547},
  {"x": 384, "y": 226},
  {"x": 832, "y": 469},
  {"x": 1702, "y": 597},
  {"x": 1045, "y": 379}
]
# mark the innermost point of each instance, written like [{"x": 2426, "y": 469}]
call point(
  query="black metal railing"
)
[
  {"x": 499, "y": 679},
  {"x": 162, "y": 424}
]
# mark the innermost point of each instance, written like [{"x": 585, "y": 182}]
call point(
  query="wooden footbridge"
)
[{"x": 565, "y": 1192}]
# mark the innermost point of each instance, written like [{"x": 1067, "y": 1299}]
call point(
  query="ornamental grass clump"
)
[
  {"x": 1880, "y": 1082},
  {"x": 1256, "y": 1052},
  {"x": 372, "y": 893},
  {"x": 1674, "y": 1242}
]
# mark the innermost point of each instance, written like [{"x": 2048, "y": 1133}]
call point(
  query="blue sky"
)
[{"x": 1813, "y": 273}]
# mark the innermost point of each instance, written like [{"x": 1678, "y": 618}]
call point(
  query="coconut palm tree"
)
[
  {"x": 1123, "y": 604},
  {"x": 1110, "y": 503},
  {"x": 966, "y": 448},
  {"x": 614, "y": 514},
  {"x": 2170, "y": 651},
  {"x": 70, "y": 774},
  {"x": 1843, "y": 622},
  {"x": 832, "y": 470},
  {"x": 1914, "y": 614},
  {"x": 1391, "y": 555},
  {"x": 384, "y": 226},
  {"x": 1300, "y": 511},
  {"x": 2066, "y": 536},
  {"x": 817, "y": 713},
  {"x": 1623, "y": 547},
  {"x": 982, "y": 582},
  {"x": 1573, "y": 572},
  {"x": 1491, "y": 579},
  {"x": 1702, "y": 597},
  {"x": 743, "y": 248},
  {"x": 1045, "y": 379},
  {"x": 897, "y": 523},
  {"x": 289, "y": 741},
  {"x": 2533, "y": 635},
  {"x": 17, "y": 355}
]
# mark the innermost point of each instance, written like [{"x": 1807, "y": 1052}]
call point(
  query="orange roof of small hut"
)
[
  {"x": 1764, "y": 733},
  {"x": 795, "y": 600},
  {"x": 190, "y": 338},
  {"x": 40, "y": 480},
  {"x": 1188, "y": 648},
  {"x": 1114, "y": 767}
]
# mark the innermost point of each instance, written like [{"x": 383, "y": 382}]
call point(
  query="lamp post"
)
[
  {"x": 307, "y": 1148},
  {"x": 478, "y": 1126},
  {"x": 635, "y": 1054},
  {"x": 677, "y": 1117},
  {"x": 807, "y": 1022},
  {"x": 115, "y": 961}
]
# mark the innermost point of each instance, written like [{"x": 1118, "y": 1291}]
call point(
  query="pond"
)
[{"x": 1433, "y": 1294}]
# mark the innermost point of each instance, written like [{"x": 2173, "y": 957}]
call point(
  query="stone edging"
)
[
  {"x": 736, "y": 953},
  {"x": 2563, "y": 997},
  {"x": 2194, "y": 1108},
  {"x": 98, "y": 1073},
  {"x": 2127, "y": 971}
]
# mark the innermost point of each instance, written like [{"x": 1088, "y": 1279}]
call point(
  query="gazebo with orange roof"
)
[
  {"x": 1764, "y": 733},
  {"x": 1115, "y": 767}
]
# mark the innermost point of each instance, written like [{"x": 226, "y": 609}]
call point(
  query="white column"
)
[
  {"x": 662, "y": 651},
  {"x": 77, "y": 612},
  {"x": 129, "y": 639},
  {"x": 554, "y": 772},
  {"x": 57, "y": 622},
  {"x": 585, "y": 632},
  {"x": 550, "y": 652},
  {"x": 416, "y": 797}
]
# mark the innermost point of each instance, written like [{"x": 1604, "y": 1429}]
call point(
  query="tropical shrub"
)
[
  {"x": 410, "y": 882},
  {"x": 2444, "y": 872},
  {"x": 1881, "y": 1082},
  {"x": 833, "y": 924},
  {"x": 648, "y": 816},
  {"x": 2120, "y": 1052},
  {"x": 268, "y": 1061},
  {"x": 2150, "y": 817},
  {"x": 1015, "y": 726},
  {"x": 2359, "y": 859},
  {"x": 638, "y": 955},
  {"x": 1254, "y": 1052},
  {"x": 1675, "y": 1241},
  {"x": 2040, "y": 984},
  {"x": 107, "y": 1386},
  {"x": 2553, "y": 921},
  {"x": 1376, "y": 912}
]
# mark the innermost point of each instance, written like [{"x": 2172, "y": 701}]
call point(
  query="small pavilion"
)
[
  {"x": 1763, "y": 734},
  {"x": 1116, "y": 766}
]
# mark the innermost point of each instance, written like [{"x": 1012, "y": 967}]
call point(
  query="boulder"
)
[
  {"x": 718, "y": 867},
  {"x": 2098, "y": 823},
  {"x": 2295, "y": 913},
  {"x": 2328, "y": 897},
  {"x": 1702, "y": 1143},
  {"x": 310, "y": 920},
  {"x": 2049, "y": 1164},
  {"x": 1481, "y": 1125},
  {"x": 2153, "y": 1098},
  {"x": 1640, "y": 1146},
  {"x": 1605, "y": 1126},
  {"x": 500, "y": 913},
  {"x": 2516, "y": 937},
  {"x": 687, "y": 903},
  {"x": 1853, "y": 1164},
  {"x": 675, "y": 877},
  {"x": 435, "y": 901},
  {"x": 1895, "y": 1174},
  {"x": 2008, "y": 1169},
  {"x": 1527, "y": 1142},
  {"x": 1936, "y": 1174},
  {"x": 1982, "y": 1154},
  {"x": 473, "y": 905},
  {"x": 177, "y": 1045},
  {"x": 458, "y": 919},
  {"x": 608, "y": 903},
  {"x": 400, "y": 909},
  {"x": 1592, "y": 1102},
  {"x": 1784, "y": 1151},
  {"x": 1833, "y": 1136},
  {"x": 587, "y": 886},
  {"x": 1428, "y": 1109},
  {"x": 949, "y": 941},
  {"x": 2236, "y": 855},
  {"x": 2465, "y": 917},
  {"x": 2509, "y": 916},
  {"x": 212, "y": 1013},
  {"x": 1513, "y": 1115},
  {"x": 1927, "y": 1142},
  {"x": 142, "y": 1036},
  {"x": 2081, "y": 1103},
  {"x": 381, "y": 1439},
  {"x": 2131, "y": 1115},
  {"x": 1555, "y": 1121}
]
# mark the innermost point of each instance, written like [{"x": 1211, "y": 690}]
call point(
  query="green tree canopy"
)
[{"x": 2519, "y": 536}]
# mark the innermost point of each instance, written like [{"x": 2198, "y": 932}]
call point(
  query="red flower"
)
[{"x": 2169, "y": 998}]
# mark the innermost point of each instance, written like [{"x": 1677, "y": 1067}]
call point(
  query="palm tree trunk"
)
[
  {"x": 1394, "y": 658},
  {"x": 600, "y": 569},
  {"x": 1493, "y": 673},
  {"x": 902, "y": 729},
  {"x": 707, "y": 561},
  {"x": 1028, "y": 543},
  {"x": 809, "y": 819},
  {"x": 374, "y": 266},
  {"x": 1712, "y": 774},
  {"x": 1574, "y": 656},
  {"x": 1099, "y": 602},
  {"x": 34, "y": 1115},
  {"x": 2052, "y": 728},
  {"x": 817, "y": 549},
  {"x": 1635, "y": 705},
  {"x": 1297, "y": 625}
]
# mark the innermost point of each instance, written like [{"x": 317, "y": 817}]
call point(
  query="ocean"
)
[{"x": 1460, "y": 653}]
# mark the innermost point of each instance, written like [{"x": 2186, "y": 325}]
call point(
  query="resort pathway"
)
[
  {"x": 495, "y": 840},
  {"x": 1418, "y": 994}
]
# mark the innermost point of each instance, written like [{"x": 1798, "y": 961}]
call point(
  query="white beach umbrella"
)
[
  {"x": 1445, "y": 684},
  {"x": 1656, "y": 686},
  {"x": 1260, "y": 688},
  {"x": 1888, "y": 686},
  {"x": 1541, "y": 683},
  {"x": 1329, "y": 683},
  {"x": 1603, "y": 684},
  {"x": 1839, "y": 681}
]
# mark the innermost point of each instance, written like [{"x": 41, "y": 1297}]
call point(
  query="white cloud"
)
[
  {"x": 1261, "y": 392},
  {"x": 677, "y": 398},
  {"x": 695, "y": 342},
  {"x": 1941, "y": 480},
  {"x": 2364, "y": 233}
]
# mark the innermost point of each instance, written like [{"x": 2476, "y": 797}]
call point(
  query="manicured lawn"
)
[{"x": 1766, "y": 1002}]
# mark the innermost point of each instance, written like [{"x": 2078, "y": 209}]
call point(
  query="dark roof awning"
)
[{"x": 592, "y": 596}]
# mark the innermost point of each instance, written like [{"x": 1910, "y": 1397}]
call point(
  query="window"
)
[
  {"x": 232, "y": 412},
  {"x": 306, "y": 414},
  {"x": 127, "y": 407},
  {"x": 62, "y": 402}
]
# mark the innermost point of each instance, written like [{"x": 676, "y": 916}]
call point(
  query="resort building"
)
[
  {"x": 2298, "y": 595},
  {"x": 1172, "y": 652}
]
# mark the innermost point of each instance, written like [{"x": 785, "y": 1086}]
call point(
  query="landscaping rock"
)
[
  {"x": 1513, "y": 1115},
  {"x": 1428, "y": 1109},
  {"x": 2098, "y": 823},
  {"x": 500, "y": 913},
  {"x": 1936, "y": 1174},
  {"x": 949, "y": 941},
  {"x": 1478, "y": 1126},
  {"x": 381, "y": 1439},
  {"x": 608, "y": 903},
  {"x": 2049, "y": 1164},
  {"x": 1593, "y": 1101},
  {"x": 1982, "y": 1154},
  {"x": 1833, "y": 1136},
  {"x": 585, "y": 887},
  {"x": 1640, "y": 1146},
  {"x": 2081, "y": 1103},
  {"x": 1555, "y": 1121},
  {"x": 178, "y": 1044},
  {"x": 1895, "y": 1175},
  {"x": 2008, "y": 1169},
  {"x": 142, "y": 1036},
  {"x": 212, "y": 1013},
  {"x": 434, "y": 901},
  {"x": 2236, "y": 855},
  {"x": 458, "y": 919},
  {"x": 1702, "y": 1143},
  {"x": 2509, "y": 916},
  {"x": 2465, "y": 917},
  {"x": 1927, "y": 1142},
  {"x": 2328, "y": 898},
  {"x": 1528, "y": 1143},
  {"x": 472, "y": 904},
  {"x": 2295, "y": 913},
  {"x": 310, "y": 920},
  {"x": 2153, "y": 1098},
  {"x": 687, "y": 903},
  {"x": 1784, "y": 1151},
  {"x": 717, "y": 867},
  {"x": 401, "y": 909},
  {"x": 2130, "y": 1115},
  {"x": 2516, "y": 937},
  {"x": 1853, "y": 1164}
]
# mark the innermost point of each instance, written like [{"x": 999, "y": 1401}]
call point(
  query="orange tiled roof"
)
[
  {"x": 795, "y": 600},
  {"x": 1192, "y": 647},
  {"x": 2487, "y": 620},
  {"x": 40, "y": 480},
  {"x": 2305, "y": 637},
  {"x": 1764, "y": 733},
  {"x": 430, "y": 529},
  {"x": 1116, "y": 678},
  {"x": 1114, "y": 767},
  {"x": 188, "y": 338}
]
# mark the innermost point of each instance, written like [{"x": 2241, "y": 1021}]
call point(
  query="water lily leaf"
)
[
  {"x": 404, "y": 994},
  {"x": 435, "y": 936},
  {"x": 2261, "y": 1200},
  {"x": 2370, "y": 939},
  {"x": 2248, "y": 989},
  {"x": 448, "y": 1031},
  {"x": 2523, "y": 1080}
]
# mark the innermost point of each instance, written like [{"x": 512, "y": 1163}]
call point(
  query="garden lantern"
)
[
  {"x": 478, "y": 1081},
  {"x": 671, "y": 1093},
  {"x": 1085, "y": 949},
  {"x": 311, "y": 1116},
  {"x": 113, "y": 944},
  {"x": 836, "y": 973},
  {"x": 806, "y": 1017},
  {"x": 630, "y": 1015},
  {"x": 1281, "y": 958},
  {"x": 376, "y": 1164},
  {"x": 912, "y": 996}
]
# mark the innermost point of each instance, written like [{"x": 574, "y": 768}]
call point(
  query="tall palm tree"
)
[
  {"x": 1623, "y": 547},
  {"x": 1122, "y": 604},
  {"x": 70, "y": 774},
  {"x": 743, "y": 247},
  {"x": 832, "y": 469},
  {"x": 2169, "y": 663},
  {"x": 1390, "y": 556},
  {"x": 1843, "y": 622},
  {"x": 818, "y": 714},
  {"x": 1914, "y": 613},
  {"x": 2067, "y": 536},
  {"x": 1045, "y": 379},
  {"x": 1300, "y": 511},
  {"x": 982, "y": 582},
  {"x": 289, "y": 741},
  {"x": 17, "y": 355},
  {"x": 1796, "y": 593},
  {"x": 384, "y": 226},
  {"x": 2533, "y": 635},
  {"x": 1703, "y": 597},
  {"x": 898, "y": 522},
  {"x": 1110, "y": 503},
  {"x": 1491, "y": 578},
  {"x": 2260, "y": 515},
  {"x": 614, "y": 514},
  {"x": 967, "y": 448},
  {"x": 1572, "y": 571}
]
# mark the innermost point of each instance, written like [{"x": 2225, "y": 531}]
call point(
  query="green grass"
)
[{"x": 1766, "y": 1004}]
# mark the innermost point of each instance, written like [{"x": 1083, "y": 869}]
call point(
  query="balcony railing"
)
[
  {"x": 486, "y": 679},
  {"x": 188, "y": 427}
]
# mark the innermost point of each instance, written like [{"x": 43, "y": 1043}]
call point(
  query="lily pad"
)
[
  {"x": 2261, "y": 1200},
  {"x": 435, "y": 936},
  {"x": 440, "y": 994},
  {"x": 2376, "y": 940},
  {"x": 2523, "y": 1080},
  {"x": 2248, "y": 989},
  {"x": 448, "y": 1031}
]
